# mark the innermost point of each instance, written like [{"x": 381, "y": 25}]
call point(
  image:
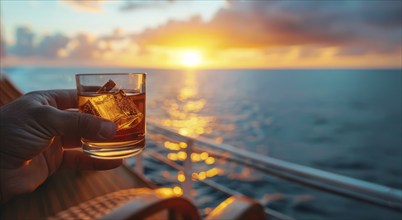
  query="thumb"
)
[{"x": 67, "y": 123}]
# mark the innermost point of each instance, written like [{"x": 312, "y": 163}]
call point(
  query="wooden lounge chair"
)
[
  {"x": 8, "y": 92},
  {"x": 162, "y": 203},
  {"x": 113, "y": 194}
]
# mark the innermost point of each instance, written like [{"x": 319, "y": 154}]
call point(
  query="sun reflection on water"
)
[
  {"x": 185, "y": 115},
  {"x": 184, "y": 111},
  {"x": 189, "y": 112},
  {"x": 169, "y": 192}
]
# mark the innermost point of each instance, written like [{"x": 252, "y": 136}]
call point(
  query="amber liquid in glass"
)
[{"x": 127, "y": 110}]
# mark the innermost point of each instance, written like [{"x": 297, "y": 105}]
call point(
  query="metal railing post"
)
[
  {"x": 188, "y": 170},
  {"x": 139, "y": 166}
]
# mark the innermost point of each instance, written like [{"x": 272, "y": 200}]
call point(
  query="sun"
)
[{"x": 191, "y": 58}]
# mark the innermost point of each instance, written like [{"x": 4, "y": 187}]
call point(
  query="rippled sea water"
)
[{"x": 343, "y": 121}]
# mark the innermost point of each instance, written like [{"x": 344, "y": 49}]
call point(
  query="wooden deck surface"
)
[{"x": 68, "y": 188}]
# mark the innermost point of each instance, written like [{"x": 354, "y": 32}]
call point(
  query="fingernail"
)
[{"x": 107, "y": 130}]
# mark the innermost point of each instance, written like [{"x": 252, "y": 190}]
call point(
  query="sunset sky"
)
[{"x": 202, "y": 34}]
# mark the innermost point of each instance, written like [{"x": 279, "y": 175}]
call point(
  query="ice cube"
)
[
  {"x": 109, "y": 85},
  {"x": 132, "y": 116},
  {"x": 104, "y": 106},
  {"x": 116, "y": 107},
  {"x": 89, "y": 108}
]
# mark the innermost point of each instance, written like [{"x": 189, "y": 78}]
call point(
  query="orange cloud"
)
[
  {"x": 263, "y": 24},
  {"x": 281, "y": 33},
  {"x": 85, "y": 5},
  {"x": 249, "y": 34}
]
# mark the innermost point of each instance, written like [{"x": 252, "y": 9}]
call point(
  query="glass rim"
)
[{"x": 109, "y": 74}]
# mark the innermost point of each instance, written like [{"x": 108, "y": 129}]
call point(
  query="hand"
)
[{"x": 37, "y": 135}]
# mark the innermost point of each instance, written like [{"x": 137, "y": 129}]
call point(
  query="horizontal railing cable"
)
[
  {"x": 330, "y": 182},
  {"x": 215, "y": 185}
]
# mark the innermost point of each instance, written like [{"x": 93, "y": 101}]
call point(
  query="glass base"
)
[{"x": 113, "y": 150}]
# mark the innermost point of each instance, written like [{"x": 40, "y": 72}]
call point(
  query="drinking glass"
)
[{"x": 118, "y": 97}]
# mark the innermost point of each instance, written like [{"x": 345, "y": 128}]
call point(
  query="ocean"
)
[{"x": 341, "y": 120}]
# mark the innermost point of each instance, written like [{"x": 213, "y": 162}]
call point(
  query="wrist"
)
[{"x": 17, "y": 181}]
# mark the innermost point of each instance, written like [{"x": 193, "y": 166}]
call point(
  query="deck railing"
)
[{"x": 326, "y": 181}]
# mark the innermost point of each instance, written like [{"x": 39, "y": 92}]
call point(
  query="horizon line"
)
[{"x": 200, "y": 68}]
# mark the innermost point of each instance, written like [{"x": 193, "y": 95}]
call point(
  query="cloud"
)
[
  {"x": 2, "y": 41},
  {"x": 51, "y": 44},
  {"x": 85, "y": 5},
  {"x": 374, "y": 26},
  {"x": 24, "y": 45},
  {"x": 243, "y": 34},
  {"x": 132, "y": 6},
  {"x": 82, "y": 46},
  {"x": 86, "y": 46},
  {"x": 2, "y": 48}
]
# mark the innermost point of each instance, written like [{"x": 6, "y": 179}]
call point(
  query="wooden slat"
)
[{"x": 8, "y": 91}]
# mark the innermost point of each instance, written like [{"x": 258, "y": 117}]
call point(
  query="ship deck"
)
[{"x": 67, "y": 188}]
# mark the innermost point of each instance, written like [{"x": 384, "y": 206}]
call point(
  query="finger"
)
[
  {"x": 76, "y": 159},
  {"x": 71, "y": 141},
  {"x": 61, "y": 99},
  {"x": 65, "y": 99},
  {"x": 65, "y": 123}
]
